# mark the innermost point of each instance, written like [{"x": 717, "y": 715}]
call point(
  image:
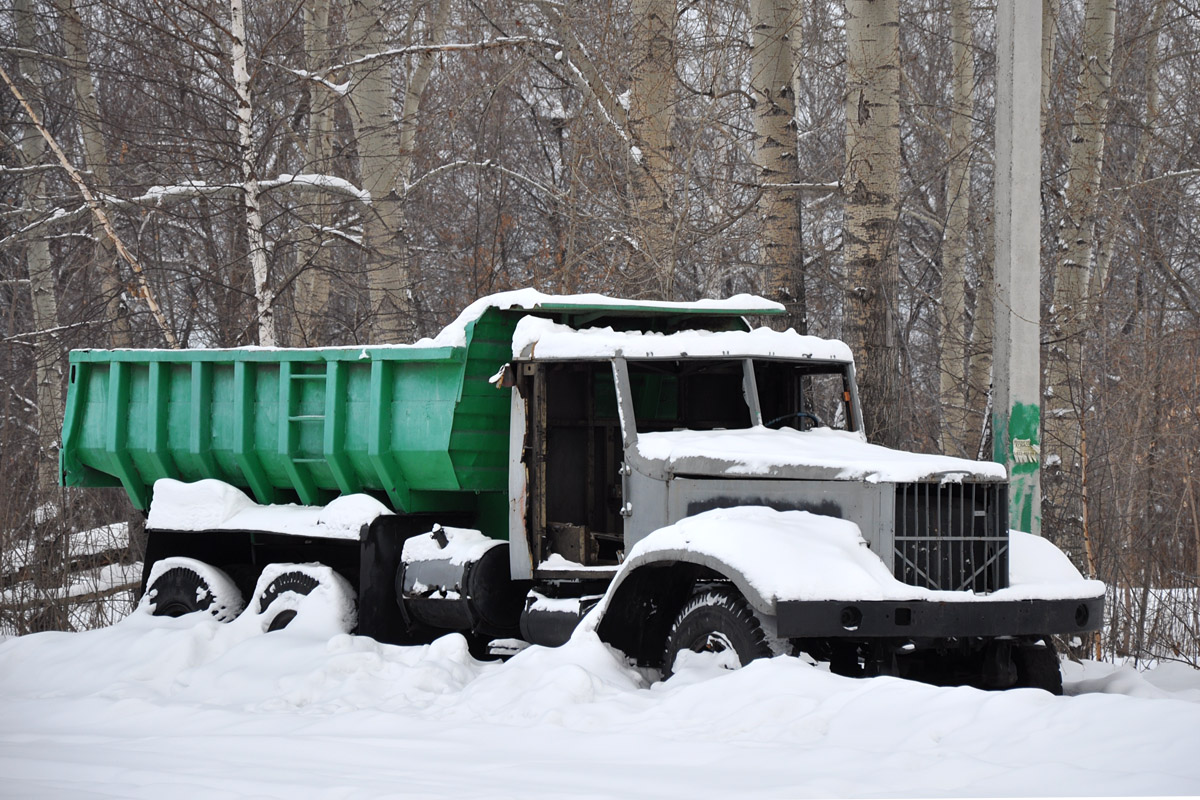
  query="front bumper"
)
[{"x": 930, "y": 619}]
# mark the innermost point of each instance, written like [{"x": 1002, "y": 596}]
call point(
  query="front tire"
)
[
  {"x": 716, "y": 620},
  {"x": 1037, "y": 666}
]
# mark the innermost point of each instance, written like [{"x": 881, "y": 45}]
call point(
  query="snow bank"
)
[
  {"x": 214, "y": 505},
  {"x": 195, "y": 709},
  {"x": 763, "y": 451},
  {"x": 543, "y": 338}
]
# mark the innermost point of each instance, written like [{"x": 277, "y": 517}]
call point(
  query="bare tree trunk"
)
[
  {"x": 384, "y": 160},
  {"x": 1050, "y": 10},
  {"x": 1064, "y": 397},
  {"x": 87, "y": 107},
  {"x": 774, "y": 26},
  {"x": 870, "y": 185},
  {"x": 313, "y": 283},
  {"x": 414, "y": 90},
  {"x": 651, "y": 115},
  {"x": 979, "y": 386},
  {"x": 1104, "y": 253},
  {"x": 371, "y": 112},
  {"x": 953, "y": 388},
  {"x": 47, "y": 535},
  {"x": 257, "y": 246},
  {"x": 31, "y": 150}
]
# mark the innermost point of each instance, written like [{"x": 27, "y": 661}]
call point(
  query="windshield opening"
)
[
  {"x": 710, "y": 394},
  {"x": 692, "y": 394}
]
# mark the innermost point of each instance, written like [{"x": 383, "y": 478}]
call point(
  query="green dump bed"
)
[
  {"x": 419, "y": 426},
  {"x": 287, "y": 425}
]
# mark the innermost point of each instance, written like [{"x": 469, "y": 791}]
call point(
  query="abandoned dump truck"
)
[{"x": 662, "y": 473}]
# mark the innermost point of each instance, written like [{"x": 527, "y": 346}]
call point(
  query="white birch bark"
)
[{"x": 256, "y": 243}]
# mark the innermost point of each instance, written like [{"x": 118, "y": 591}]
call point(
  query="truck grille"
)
[{"x": 952, "y": 536}]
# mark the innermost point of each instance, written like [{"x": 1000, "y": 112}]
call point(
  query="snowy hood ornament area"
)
[{"x": 691, "y": 485}]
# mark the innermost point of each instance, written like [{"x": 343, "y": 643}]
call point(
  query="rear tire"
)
[
  {"x": 716, "y": 619},
  {"x": 299, "y": 583},
  {"x": 180, "y": 586},
  {"x": 312, "y": 592},
  {"x": 1037, "y": 666}
]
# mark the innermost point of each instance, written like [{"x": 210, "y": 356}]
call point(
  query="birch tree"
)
[
  {"x": 264, "y": 295},
  {"x": 32, "y": 152},
  {"x": 1065, "y": 386},
  {"x": 870, "y": 186},
  {"x": 314, "y": 279},
  {"x": 386, "y": 158},
  {"x": 651, "y": 115},
  {"x": 774, "y": 26}
]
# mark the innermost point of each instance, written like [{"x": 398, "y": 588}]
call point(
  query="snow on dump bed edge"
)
[
  {"x": 544, "y": 338},
  {"x": 762, "y": 451},
  {"x": 815, "y": 557},
  {"x": 210, "y": 504}
]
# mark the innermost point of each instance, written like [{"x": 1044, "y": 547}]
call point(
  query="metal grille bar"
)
[{"x": 952, "y": 536}]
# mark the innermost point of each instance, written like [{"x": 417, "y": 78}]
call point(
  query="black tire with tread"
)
[
  {"x": 294, "y": 581},
  {"x": 177, "y": 592},
  {"x": 716, "y": 618}
]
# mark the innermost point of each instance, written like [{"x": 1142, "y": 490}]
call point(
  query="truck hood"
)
[{"x": 819, "y": 454}]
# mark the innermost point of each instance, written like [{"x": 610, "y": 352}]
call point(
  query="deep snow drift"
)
[{"x": 188, "y": 707}]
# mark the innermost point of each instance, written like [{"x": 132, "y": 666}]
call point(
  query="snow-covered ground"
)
[{"x": 188, "y": 707}]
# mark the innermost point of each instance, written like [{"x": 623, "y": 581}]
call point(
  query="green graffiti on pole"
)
[{"x": 1018, "y": 446}]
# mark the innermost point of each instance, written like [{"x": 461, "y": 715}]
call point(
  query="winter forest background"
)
[{"x": 324, "y": 172}]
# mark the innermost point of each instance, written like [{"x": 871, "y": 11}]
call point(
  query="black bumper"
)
[{"x": 928, "y": 619}]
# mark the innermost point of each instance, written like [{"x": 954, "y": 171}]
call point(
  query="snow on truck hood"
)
[
  {"x": 542, "y": 338},
  {"x": 815, "y": 557},
  {"x": 840, "y": 455}
]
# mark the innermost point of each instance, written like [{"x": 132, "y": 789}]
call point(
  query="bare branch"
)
[{"x": 94, "y": 204}]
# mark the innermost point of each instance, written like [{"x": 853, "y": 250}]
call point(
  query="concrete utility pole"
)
[{"x": 1016, "y": 422}]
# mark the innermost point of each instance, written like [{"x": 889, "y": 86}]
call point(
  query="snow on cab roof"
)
[
  {"x": 455, "y": 334},
  {"x": 545, "y": 339}
]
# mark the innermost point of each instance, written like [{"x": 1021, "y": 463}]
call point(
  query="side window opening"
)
[{"x": 789, "y": 391}]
